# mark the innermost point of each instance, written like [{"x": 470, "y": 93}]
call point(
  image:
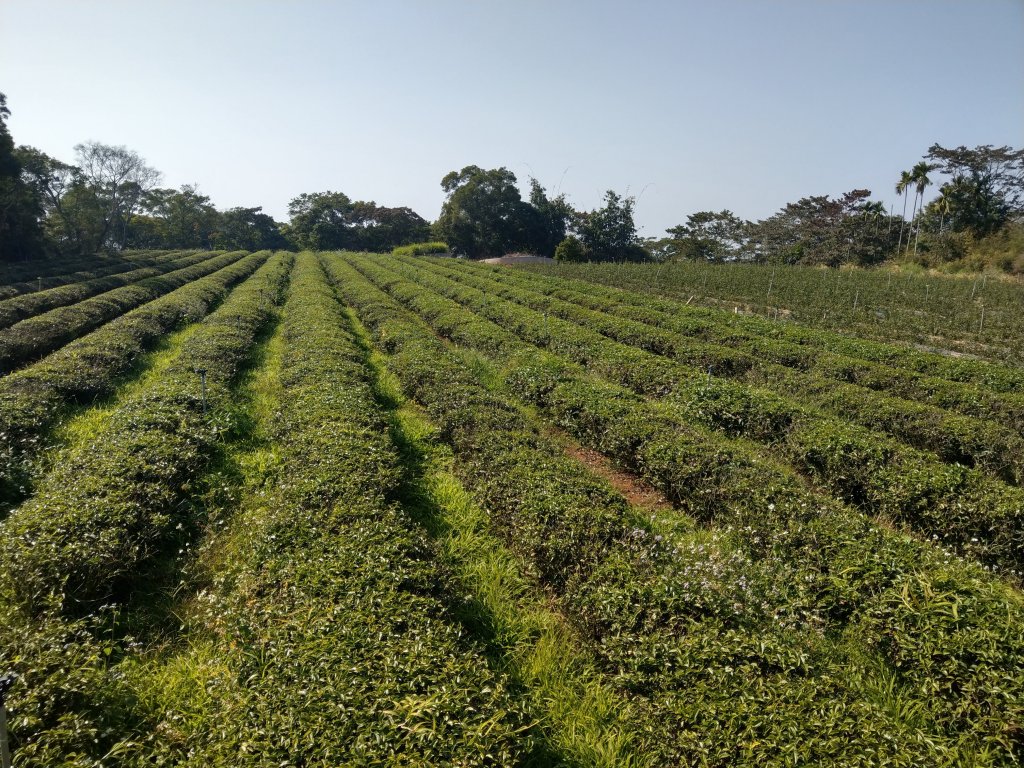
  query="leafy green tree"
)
[
  {"x": 110, "y": 186},
  {"x": 820, "y": 230},
  {"x": 549, "y": 221},
  {"x": 571, "y": 250},
  {"x": 333, "y": 221},
  {"x": 708, "y": 236},
  {"x": 985, "y": 189},
  {"x": 609, "y": 233},
  {"x": 89, "y": 206},
  {"x": 190, "y": 218},
  {"x": 484, "y": 214},
  {"x": 869, "y": 233},
  {"x": 248, "y": 229},
  {"x": 943, "y": 205},
  {"x": 381, "y": 229},
  {"x": 20, "y": 207},
  {"x": 171, "y": 218},
  {"x": 147, "y": 231},
  {"x": 53, "y": 182},
  {"x": 320, "y": 221}
]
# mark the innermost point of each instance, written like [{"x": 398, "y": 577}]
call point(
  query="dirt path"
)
[{"x": 636, "y": 492}]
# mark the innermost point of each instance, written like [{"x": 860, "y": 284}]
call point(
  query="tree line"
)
[
  {"x": 109, "y": 199},
  {"x": 981, "y": 194}
]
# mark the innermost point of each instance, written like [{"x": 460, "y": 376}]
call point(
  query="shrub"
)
[
  {"x": 571, "y": 249},
  {"x": 421, "y": 249}
]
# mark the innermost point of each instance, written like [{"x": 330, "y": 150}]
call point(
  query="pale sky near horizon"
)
[{"x": 687, "y": 105}]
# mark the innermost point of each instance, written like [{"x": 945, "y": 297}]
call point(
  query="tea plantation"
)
[{"x": 340, "y": 509}]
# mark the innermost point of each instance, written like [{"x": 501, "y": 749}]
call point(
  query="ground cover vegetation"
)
[
  {"x": 331, "y": 509},
  {"x": 963, "y": 508},
  {"x": 724, "y": 483},
  {"x": 36, "y": 336}
]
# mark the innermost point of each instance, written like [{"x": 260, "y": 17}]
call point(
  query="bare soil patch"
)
[{"x": 635, "y": 491}]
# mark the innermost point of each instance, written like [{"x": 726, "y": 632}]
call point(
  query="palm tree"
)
[
  {"x": 919, "y": 173},
  {"x": 871, "y": 211},
  {"x": 901, "y": 189},
  {"x": 945, "y": 205}
]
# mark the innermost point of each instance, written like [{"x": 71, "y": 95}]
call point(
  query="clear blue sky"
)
[{"x": 688, "y": 105}]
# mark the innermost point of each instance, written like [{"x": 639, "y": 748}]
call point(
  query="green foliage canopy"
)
[
  {"x": 708, "y": 236},
  {"x": 20, "y": 236},
  {"x": 985, "y": 189},
  {"x": 609, "y": 233},
  {"x": 484, "y": 214},
  {"x": 333, "y": 221},
  {"x": 820, "y": 230}
]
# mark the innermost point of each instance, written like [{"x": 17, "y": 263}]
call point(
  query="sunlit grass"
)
[
  {"x": 89, "y": 423},
  {"x": 582, "y": 716}
]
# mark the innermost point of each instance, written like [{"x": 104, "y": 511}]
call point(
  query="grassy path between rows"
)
[
  {"x": 84, "y": 423},
  {"x": 177, "y": 679},
  {"x": 96, "y": 561},
  {"x": 78, "y": 424},
  {"x": 583, "y": 716},
  {"x": 825, "y": 572}
]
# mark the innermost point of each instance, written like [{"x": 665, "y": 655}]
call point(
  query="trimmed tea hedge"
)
[
  {"x": 823, "y": 564},
  {"x": 33, "y": 398},
  {"x": 111, "y": 505},
  {"x": 336, "y": 630},
  {"x": 960, "y": 506},
  {"x": 37, "y": 336},
  {"x": 955, "y": 438},
  {"x": 15, "y": 309}
]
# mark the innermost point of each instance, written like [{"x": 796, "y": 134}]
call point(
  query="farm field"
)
[
  {"x": 325, "y": 509},
  {"x": 977, "y": 315}
]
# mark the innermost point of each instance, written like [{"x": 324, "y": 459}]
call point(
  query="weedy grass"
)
[
  {"x": 818, "y": 565},
  {"x": 962, "y": 507},
  {"x": 327, "y": 609},
  {"x": 421, "y": 249},
  {"x": 103, "y": 525},
  {"x": 91, "y": 422},
  {"x": 588, "y": 722}
]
